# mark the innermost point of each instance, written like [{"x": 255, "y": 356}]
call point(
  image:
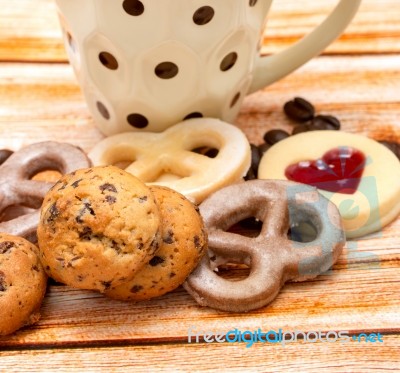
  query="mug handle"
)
[{"x": 269, "y": 69}]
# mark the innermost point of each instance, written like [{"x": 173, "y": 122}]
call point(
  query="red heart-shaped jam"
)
[{"x": 339, "y": 170}]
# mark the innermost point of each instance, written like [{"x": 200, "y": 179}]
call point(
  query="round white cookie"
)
[{"x": 377, "y": 200}]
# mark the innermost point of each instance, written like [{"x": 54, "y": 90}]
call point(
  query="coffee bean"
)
[
  {"x": 325, "y": 122},
  {"x": 255, "y": 157},
  {"x": 251, "y": 174},
  {"x": 263, "y": 148},
  {"x": 393, "y": 146},
  {"x": 299, "y": 110},
  {"x": 302, "y": 128},
  {"x": 274, "y": 136}
]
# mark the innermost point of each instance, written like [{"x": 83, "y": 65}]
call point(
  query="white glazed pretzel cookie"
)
[{"x": 169, "y": 159}]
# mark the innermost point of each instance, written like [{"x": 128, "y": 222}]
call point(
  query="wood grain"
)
[
  {"x": 356, "y": 79},
  {"x": 29, "y": 30},
  {"x": 233, "y": 357},
  {"x": 43, "y": 101}
]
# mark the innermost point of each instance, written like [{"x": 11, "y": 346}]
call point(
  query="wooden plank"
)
[
  {"x": 356, "y": 297},
  {"x": 29, "y": 29},
  {"x": 233, "y": 357},
  {"x": 43, "y": 101}
]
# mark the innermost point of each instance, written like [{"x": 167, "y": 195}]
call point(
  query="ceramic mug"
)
[{"x": 147, "y": 65}]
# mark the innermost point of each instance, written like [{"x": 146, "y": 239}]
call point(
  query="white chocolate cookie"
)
[
  {"x": 168, "y": 158},
  {"x": 374, "y": 204}
]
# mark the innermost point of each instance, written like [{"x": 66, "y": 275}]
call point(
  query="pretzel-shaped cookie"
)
[
  {"x": 17, "y": 190},
  {"x": 272, "y": 257},
  {"x": 168, "y": 159}
]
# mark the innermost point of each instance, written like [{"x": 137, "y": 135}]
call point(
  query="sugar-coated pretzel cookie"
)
[
  {"x": 167, "y": 158},
  {"x": 184, "y": 242},
  {"x": 18, "y": 190},
  {"x": 363, "y": 181},
  {"x": 22, "y": 283},
  {"x": 273, "y": 258}
]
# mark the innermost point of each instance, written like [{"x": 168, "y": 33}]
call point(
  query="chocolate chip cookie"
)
[
  {"x": 184, "y": 241},
  {"x": 98, "y": 227},
  {"x": 22, "y": 283}
]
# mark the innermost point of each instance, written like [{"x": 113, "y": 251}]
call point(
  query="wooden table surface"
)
[{"x": 356, "y": 79}]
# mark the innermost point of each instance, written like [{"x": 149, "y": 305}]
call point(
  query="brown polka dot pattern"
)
[
  {"x": 133, "y": 7},
  {"x": 108, "y": 60},
  {"x": 137, "y": 120},
  {"x": 229, "y": 61},
  {"x": 203, "y": 15}
]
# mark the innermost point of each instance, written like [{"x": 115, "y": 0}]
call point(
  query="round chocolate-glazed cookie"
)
[
  {"x": 98, "y": 227},
  {"x": 22, "y": 283},
  {"x": 184, "y": 242}
]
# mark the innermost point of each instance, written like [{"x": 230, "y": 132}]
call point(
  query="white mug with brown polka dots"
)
[{"x": 148, "y": 64}]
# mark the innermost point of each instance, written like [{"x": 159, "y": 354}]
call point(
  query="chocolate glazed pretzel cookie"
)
[
  {"x": 273, "y": 258},
  {"x": 17, "y": 188}
]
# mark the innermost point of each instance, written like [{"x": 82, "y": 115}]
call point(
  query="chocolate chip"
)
[
  {"x": 325, "y": 122},
  {"x": 62, "y": 262},
  {"x": 197, "y": 242},
  {"x": 393, "y": 146},
  {"x": 3, "y": 284},
  {"x": 106, "y": 284},
  {"x": 136, "y": 288},
  {"x": 115, "y": 246},
  {"x": 169, "y": 239},
  {"x": 86, "y": 234},
  {"x": 143, "y": 199},
  {"x": 53, "y": 212},
  {"x": 213, "y": 258},
  {"x": 109, "y": 187},
  {"x": 155, "y": 245},
  {"x": 6, "y": 246},
  {"x": 299, "y": 110},
  {"x": 156, "y": 260},
  {"x": 273, "y": 136},
  {"x": 75, "y": 184},
  {"x": 86, "y": 207},
  {"x": 4, "y": 155},
  {"x": 111, "y": 200}
]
